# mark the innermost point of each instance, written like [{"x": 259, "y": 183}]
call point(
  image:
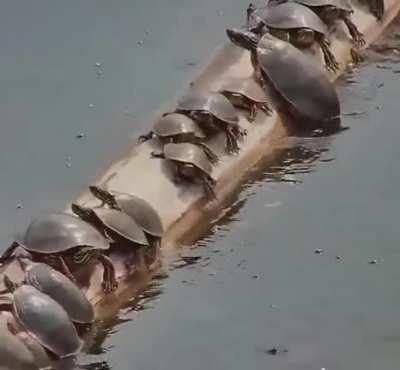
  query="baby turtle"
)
[
  {"x": 60, "y": 240},
  {"x": 296, "y": 24},
  {"x": 297, "y": 85},
  {"x": 178, "y": 128},
  {"x": 114, "y": 224},
  {"x": 137, "y": 208},
  {"x": 44, "y": 319},
  {"x": 191, "y": 164},
  {"x": 58, "y": 287},
  {"x": 214, "y": 113},
  {"x": 247, "y": 94},
  {"x": 331, "y": 11}
]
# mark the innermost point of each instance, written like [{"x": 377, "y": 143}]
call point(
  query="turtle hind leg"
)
[
  {"x": 356, "y": 35},
  {"x": 330, "y": 61},
  {"x": 8, "y": 252},
  {"x": 109, "y": 282}
]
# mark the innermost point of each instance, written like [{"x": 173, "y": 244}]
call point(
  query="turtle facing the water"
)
[
  {"x": 296, "y": 24},
  {"x": 191, "y": 164},
  {"x": 299, "y": 88}
]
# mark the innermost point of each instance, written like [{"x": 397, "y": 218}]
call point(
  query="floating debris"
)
[
  {"x": 318, "y": 251},
  {"x": 277, "y": 351},
  {"x": 139, "y": 43},
  {"x": 220, "y": 13},
  {"x": 97, "y": 64},
  {"x": 19, "y": 205},
  {"x": 91, "y": 105},
  {"x": 68, "y": 162},
  {"x": 355, "y": 113},
  {"x": 256, "y": 276},
  {"x": 99, "y": 73},
  {"x": 373, "y": 262},
  {"x": 80, "y": 135},
  {"x": 338, "y": 257}
]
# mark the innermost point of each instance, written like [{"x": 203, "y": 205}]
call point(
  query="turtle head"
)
[
  {"x": 82, "y": 212},
  {"x": 9, "y": 284},
  {"x": 243, "y": 38},
  {"x": 105, "y": 196}
]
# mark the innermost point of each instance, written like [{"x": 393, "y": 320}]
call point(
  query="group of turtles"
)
[{"x": 42, "y": 315}]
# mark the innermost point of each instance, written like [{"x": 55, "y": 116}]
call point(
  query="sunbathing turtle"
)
[
  {"x": 137, "y": 208},
  {"x": 178, "y": 128},
  {"x": 191, "y": 164},
  {"x": 296, "y": 24},
  {"x": 213, "y": 113},
  {"x": 62, "y": 240},
  {"x": 247, "y": 94},
  {"x": 44, "y": 319},
  {"x": 298, "y": 87},
  {"x": 58, "y": 287},
  {"x": 331, "y": 11}
]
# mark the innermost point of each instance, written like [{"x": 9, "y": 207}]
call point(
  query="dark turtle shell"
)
[
  {"x": 246, "y": 87},
  {"x": 62, "y": 290},
  {"x": 291, "y": 15},
  {"x": 188, "y": 153},
  {"x": 176, "y": 124},
  {"x": 340, "y": 4},
  {"x": 42, "y": 359},
  {"x": 122, "y": 224},
  {"x": 44, "y": 319},
  {"x": 59, "y": 232},
  {"x": 215, "y": 103},
  {"x": 298, "y": 79}
]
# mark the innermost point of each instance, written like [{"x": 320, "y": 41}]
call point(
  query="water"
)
[{"x": 305, "y": 261}]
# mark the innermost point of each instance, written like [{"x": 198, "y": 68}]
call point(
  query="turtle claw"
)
[{"x": 356, "y": 56}]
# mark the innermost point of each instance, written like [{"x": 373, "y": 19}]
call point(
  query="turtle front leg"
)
[
  {"x": 212, "y": 157},
  {"x": 356, "y": 35},
  {"x": 232, "y": 146},
  {"x": 356, "y": 56},
  {"x": 330, "y": 61},
  {"x": 208, "y": 186},
  {"x": 253, "y": 109},
  {"x": 109, "y": 282},
  {"x": 266, "y": 109},
  {"x": 147, "y": 137},
  {"x": 65, "y": 269}
]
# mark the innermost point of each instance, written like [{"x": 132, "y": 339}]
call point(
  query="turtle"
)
[
  {"x": 214, "y": 113},
  {"x": 114, "y": 224},
  {"x": 296, "y": 24},
  {"x": 331, "y": 11},
  {"x": 42, "y": 358},
  {"x": 139, "y": 209},
  {"x": 60, "y": 239},
  {"x": 299, "y": 88},
  {"x": 191, "y": 164},
  {"x": 247, "y": 94},
  {"x": 44, "y": 319},
  {"x": 178, "y": 128},
  {"x": 57, "y": 286}
]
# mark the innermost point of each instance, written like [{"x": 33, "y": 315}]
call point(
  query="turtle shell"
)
[
  {"x": 141, "y": 211},
  {"x": 340, "y": 4},
  {"x": 298, "y": 79},
  {"x": 248, "y": 88},
  {"x": 42, "y": 359},
  {"x": 62, "y": 290},
  {"x": 291, "y": 15},
  {"x": 59, "y": 232},
  {"x": 176, "y": 124},
  {"x": 188, "y": 153},
  {"x": 44, "y": 319},
  {"x": 122, "y": 224},
  {"x": 215, "y": 103}
]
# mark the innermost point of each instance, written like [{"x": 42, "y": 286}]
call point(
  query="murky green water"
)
[{"x": 260, "y": 283}]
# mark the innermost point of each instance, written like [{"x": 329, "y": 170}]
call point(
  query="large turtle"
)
[
  {"x": 62, "y": 240},
  {"x": 247, "y": 94},
  {"x": 57, "y": 286},
  {"x": 296, "y": 24},
  {"x": 297, "y": 85},
  {"x": 214, "y": 113},
  {"x": 140, "y": 210},
  {"x": 178, "y": 128},
  {"x": 331, "y": 11},
  {"x": 191, "y": 164},
  {"x": 44, "y": 319}
]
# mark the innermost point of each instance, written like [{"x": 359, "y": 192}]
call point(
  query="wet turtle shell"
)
[
  {"x": 44, "y": 319},
  {"x": 215, "y": 103},
  {"x": 176, "y": 124},
  {"x": 188, "y": 153},
  {"x": 59, "y": 232},
  {"x": 340, "y": 4},
  {"x": 62, "y": 290},
  {"x": 298, "y": 79},
  {"x": 246, "y": 87},
  {"x": 291, "y": 15}
]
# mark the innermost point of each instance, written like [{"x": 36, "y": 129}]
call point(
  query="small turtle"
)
[
  {"x": 247, "y": 94},
  {"x": 297, "y": 85},
  {"x": 140, "y": 210},
  {"x": 58, "y": 287},
  {"x": 190, "y": 164},
  {"x": 214, "y": 113},
  {"x": 178, "y": 128},
  {"x": 296, "y": 24},
  {"x": 59, "y": 239},
  {"x": 114, "y": 224},
  {"x": 44, "y": 319},
  {"x": 331, "y": 11}
]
